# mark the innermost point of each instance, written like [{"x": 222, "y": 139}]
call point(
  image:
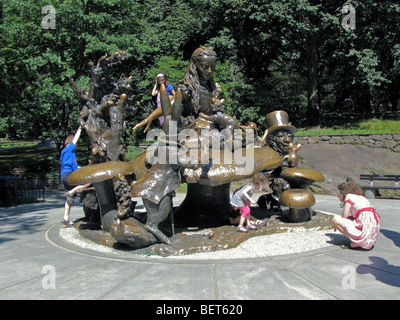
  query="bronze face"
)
[
  {"x": 280, "y": 141},
  {"x": 206, "y": 67}
]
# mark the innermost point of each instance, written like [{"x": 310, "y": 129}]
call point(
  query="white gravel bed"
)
[
  {"x": 72, "y": 235},
  {"x": 296, "y": 241},
  {"x": 273, "y": 245}
]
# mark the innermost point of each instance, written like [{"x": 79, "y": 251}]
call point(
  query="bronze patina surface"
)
[
  {"x": 200, "y": 239},
  {"x": 198, "y": 144}
]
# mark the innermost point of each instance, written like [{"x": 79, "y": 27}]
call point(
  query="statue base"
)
[
  {"x": 205, "y": 206},
  {"x": 189, "y": 240}
]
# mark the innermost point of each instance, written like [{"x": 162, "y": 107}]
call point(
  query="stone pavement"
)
[{"x": 35, "y": 263}]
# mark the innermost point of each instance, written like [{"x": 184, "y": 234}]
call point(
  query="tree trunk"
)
[
  {"x": 394, "y": 97},
  {"x": 367, "y": 100},
  {"x": 313, "y": 108}
]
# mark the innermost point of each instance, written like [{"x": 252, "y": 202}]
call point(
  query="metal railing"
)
[{"x": 31, "y": 190}]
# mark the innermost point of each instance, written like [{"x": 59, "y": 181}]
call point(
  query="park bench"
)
[{"x": 371, "y": 190}]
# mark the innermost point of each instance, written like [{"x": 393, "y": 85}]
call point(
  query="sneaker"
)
[
  {"x": 261, "y": 223},
  {"x": 242, "y": 229},
  {"x": 252, "y": 227},
  {"x": 66, "y": 223},
  {"x": 264, "y": 222}
]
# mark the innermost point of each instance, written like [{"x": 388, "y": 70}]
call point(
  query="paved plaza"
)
[{"x": 36, "y": 263}]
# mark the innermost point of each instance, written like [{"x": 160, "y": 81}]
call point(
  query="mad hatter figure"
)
[{"x": 280, "y": 132}]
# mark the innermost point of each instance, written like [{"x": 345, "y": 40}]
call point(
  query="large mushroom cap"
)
[
  {"x": 229, "y": 169},
  {"x": 297, "y": 198},
  {"x": 301, "y": 177}
]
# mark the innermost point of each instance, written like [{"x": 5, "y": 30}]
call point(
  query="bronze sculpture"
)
[
  {"x": 298, "y": 198},
  {"x": 104, "y": 106},
  {"x": 199, "y": 144}
]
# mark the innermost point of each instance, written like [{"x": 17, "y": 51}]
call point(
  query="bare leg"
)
[
  {"x": 155, "y": 114},
  {"x": 241, "y": 222},
  {"x": 67, "y": 209},
  {"x": 338, "y": 227},
  {"x": 240, "y": 227},
  {"x": 78, "y": 188}
]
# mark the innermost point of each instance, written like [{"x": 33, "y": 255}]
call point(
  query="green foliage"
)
[
  {"x": 263, "y": 47},
  {"x": 173, "y": 67},
  {"x": 367, "y": 63},
  {"x": 36, "y": 61},
  {"x": 133, "y": 152},
  {"x": 29, "y": 161}
]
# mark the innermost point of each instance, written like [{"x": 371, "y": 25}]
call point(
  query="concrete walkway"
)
[{"x": 35, "y": 263}]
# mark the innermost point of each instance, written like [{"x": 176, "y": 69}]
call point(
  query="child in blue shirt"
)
[
  {"x": 161, "y": 78},
  {"x": 69, "y": 165}
]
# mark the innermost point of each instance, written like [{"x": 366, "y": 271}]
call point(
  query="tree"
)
[
  {"x": 35, "y": 61},
  {"x": 360, "y": 62},
  {"x": 288, "y": 54}
]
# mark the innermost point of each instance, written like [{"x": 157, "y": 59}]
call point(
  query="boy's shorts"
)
[{"x": 64, "y": 181}]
